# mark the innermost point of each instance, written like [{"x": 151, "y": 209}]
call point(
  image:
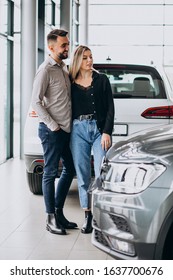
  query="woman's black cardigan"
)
[{"x": 104, "y": 104}]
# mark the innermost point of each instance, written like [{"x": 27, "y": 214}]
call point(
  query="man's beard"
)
[{"x": 63, "y": 55}]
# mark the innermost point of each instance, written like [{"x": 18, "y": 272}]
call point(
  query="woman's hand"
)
[{"x": 105, "y": 141}]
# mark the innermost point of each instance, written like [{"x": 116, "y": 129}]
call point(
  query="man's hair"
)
[{"x": 52, "y": 36}]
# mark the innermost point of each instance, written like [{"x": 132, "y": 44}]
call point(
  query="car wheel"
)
[
  {"x": 168, "y": 247},
  {"x": 35, "y": 182}
]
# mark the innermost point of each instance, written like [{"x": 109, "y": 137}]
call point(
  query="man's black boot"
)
[
  {"x": 87, "y": 226},
  {"x": 60, "y": 218},
  {"x": 53, "y": 226}
]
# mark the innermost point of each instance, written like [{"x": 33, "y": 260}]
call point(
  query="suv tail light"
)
[
  {"x": 162, "y": 112},
  {"x": 33, "y": 114}
]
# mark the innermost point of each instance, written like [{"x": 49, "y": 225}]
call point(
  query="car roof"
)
[{"x": 141, "y": 67}]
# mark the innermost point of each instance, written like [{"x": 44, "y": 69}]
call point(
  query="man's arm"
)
[{"x": 40, "y": 85}]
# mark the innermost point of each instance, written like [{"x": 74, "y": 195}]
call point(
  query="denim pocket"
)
[{"x": 43, "y": 133}]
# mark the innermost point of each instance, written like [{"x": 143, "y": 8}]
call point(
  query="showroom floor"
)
[{"x": 22, "y": 223}]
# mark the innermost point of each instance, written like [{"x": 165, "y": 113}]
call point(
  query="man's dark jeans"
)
[{"x": 55, "y": 147}]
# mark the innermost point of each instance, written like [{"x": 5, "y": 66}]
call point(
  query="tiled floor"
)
[{"x": 22, "y": 223}]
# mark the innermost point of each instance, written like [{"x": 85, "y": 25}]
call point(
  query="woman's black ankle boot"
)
[{"x": 87, "y": 226}]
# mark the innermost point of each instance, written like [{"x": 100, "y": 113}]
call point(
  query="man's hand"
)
[{"x": 58, "y": 128}]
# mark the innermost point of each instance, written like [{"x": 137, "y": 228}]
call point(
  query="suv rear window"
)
[{"x": 133, "y": 81}]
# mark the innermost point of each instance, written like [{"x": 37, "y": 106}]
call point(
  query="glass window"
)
[
  {"x": 16, "y": 86},
  {"x": 9, "y": 78},
  {"x": 57, "y": 14},
  {"x": 3, "y": 80},
  {"x": 75, "y": 27},
  {"x": 3, "y": 16},
  {"x": 52, "y": 19},
  {"x": 133, "y": 81},
  {"x": 48, "y": 12},
  {"x": 52, "y": 13},
  {"x": 3, "y": 98}
]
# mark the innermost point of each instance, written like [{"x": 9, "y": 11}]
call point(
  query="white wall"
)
[{"x": 131, "y": 30}]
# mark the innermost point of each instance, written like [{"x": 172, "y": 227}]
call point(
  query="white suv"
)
[{"x": 143, "y": 98}]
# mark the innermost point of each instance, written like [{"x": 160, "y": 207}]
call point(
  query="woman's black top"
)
[
  {"x": 82, "y": 101},
  {"x": 97, "y": 100}
]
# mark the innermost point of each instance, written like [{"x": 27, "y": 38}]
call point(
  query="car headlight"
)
[{"x": 130, "y": 177}]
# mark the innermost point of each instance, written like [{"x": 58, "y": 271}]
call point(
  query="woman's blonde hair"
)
[{"x": 76, "y": 61}]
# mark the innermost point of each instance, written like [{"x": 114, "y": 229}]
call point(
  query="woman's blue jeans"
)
[
  {"x": 55, "y": 147},
  {"x": 85, "y": 138}
]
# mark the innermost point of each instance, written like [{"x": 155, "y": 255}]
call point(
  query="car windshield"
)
[{"x": 129, "y": 81}]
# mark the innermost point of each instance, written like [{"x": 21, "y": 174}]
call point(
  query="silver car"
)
[{"x": 133, "y": 197}]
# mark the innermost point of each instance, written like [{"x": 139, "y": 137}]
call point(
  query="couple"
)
[{"x": 76, "y": 115}]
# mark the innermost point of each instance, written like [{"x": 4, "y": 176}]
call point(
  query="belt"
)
[{"x": 86, "y": 117}]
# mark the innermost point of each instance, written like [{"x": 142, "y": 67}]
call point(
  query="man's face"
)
[{"x": 60, "y": 48}]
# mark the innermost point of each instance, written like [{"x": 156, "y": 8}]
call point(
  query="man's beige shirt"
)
[{"x": 51, "y": 95}]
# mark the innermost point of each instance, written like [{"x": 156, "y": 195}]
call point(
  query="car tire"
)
[{"x": 35, "y": 182}]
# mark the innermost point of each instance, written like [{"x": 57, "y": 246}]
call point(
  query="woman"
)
[{"x": 93, "y": 119}]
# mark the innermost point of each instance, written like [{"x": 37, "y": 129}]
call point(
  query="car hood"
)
[{"x": 148, "y": 145}]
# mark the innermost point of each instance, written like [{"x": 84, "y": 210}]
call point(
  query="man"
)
[{"x": 51, "y": 99}]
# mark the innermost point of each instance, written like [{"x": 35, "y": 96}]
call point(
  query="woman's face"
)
[{"x": 87, "y": 61}]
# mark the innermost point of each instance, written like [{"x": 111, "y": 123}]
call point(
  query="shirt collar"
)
[{"x": 53, "y": 62}]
